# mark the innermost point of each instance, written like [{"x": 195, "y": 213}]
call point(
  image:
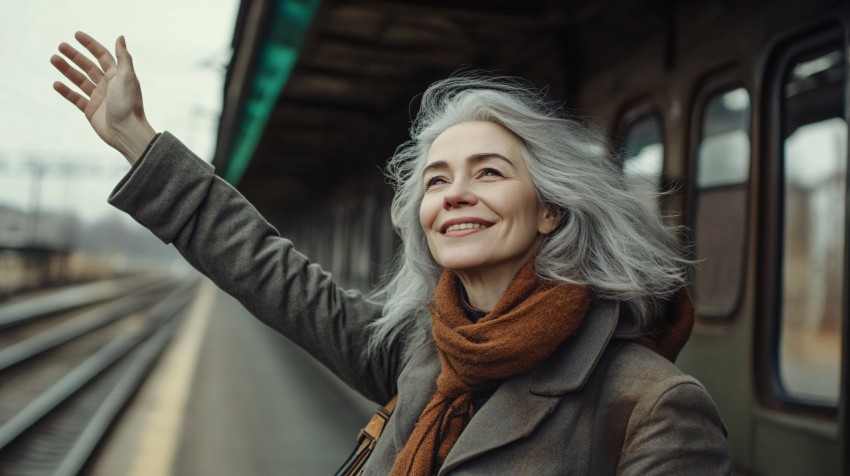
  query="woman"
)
[{"x": 532, "y": 322}]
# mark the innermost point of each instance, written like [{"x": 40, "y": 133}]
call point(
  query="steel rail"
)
[
  {"x": 26, "y": 309},
  {"x": 79, "y": 325},
  {"x": 132, "y": 378},
  {"x": 90, "y": 368}
]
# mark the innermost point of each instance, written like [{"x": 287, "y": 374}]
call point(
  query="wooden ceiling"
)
[{"x": 353, "y": 92}]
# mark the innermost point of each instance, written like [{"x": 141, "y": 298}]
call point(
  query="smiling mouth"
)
[
  {"x": 459, "y": 227},
  {"x": 464, "y": 226}
]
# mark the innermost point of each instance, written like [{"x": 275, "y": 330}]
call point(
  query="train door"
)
[{"x": 801, "y": 316}]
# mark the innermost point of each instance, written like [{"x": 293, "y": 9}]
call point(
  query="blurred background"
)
[
  {"x": 55, "y": 174},
  {"x": 727, "y": 117}
]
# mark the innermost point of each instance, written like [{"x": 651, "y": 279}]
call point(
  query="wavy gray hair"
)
[{"x": 606, "y": 239}]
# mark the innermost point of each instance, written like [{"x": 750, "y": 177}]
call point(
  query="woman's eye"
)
[
  {"x": 489, "y": 173},
  {"x": 434, "y": 181}
]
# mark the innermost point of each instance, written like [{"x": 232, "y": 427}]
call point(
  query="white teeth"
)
[{"x": 464, "y": 226}]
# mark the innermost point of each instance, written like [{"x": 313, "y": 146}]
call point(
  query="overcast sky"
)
[{"x": 179, "y": 48}]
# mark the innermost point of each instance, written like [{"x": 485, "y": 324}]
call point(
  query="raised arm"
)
[
  {"x": 175, "y": 194},
  {"x": 111, "y": 97},
  {"x": 223, "y": 236}
]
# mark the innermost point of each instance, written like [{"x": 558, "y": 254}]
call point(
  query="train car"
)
[
  {"x": 744, "y": 118},
  {"x": 731, "y": 118}
]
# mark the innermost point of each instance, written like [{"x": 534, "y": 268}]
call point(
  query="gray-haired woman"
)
[{"x": 532, "y": 322}]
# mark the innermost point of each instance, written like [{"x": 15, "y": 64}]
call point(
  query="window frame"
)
[
  {"x": 770, "y": 391},
  {"x": 710, "y": 87},
  {"x": 629, "y": 118}
]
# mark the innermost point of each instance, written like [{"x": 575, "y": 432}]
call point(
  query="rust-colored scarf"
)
[{"x": 528, "y": 323}]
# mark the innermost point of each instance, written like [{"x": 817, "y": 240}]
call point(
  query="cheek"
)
[
  {"x": 427, "y": 213},
  {"x": 528, "y": 214},
  {"x": 422, "y": 219},
  {"x": 426, "y": 221}
]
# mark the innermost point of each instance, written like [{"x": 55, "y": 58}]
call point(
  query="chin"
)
[{"x": 460, "y": 263}]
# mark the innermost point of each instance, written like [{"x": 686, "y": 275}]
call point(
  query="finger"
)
[
  {"x": 76, "y": 77},
  {"x": 104, "y": 57},
  {"x": 81, "y": 61},
  {"x": 121, "y": 53},
  {"x": 72, "y": 96}
]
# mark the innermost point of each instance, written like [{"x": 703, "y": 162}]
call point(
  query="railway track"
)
[{"x": 69, "y": 366}]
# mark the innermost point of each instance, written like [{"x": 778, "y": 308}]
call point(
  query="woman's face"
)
[{"x": 480, "y": 211}]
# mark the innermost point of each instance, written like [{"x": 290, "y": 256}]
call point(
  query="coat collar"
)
[
  {"x": 569, "y": 368},
  {"x": 522, "y": 402}
]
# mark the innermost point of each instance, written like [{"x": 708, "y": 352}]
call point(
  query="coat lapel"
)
[
  {"x": 521, "y": 403},
  {"x": 570, "y": 366}
]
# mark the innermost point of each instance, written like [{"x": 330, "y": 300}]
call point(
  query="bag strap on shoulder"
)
[{"x": 367, "y": 439}]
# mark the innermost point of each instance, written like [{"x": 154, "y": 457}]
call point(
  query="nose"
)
[{"x": 459, "y": 195}]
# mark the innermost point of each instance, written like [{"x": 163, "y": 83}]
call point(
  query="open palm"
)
[{"x": 111, "y": 96}]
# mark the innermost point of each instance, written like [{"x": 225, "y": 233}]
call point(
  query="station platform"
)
[{"x": 231, "y": 396}]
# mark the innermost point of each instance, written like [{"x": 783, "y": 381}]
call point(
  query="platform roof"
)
[{"x": 319, "y": 94}]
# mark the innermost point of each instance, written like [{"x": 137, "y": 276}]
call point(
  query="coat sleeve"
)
[
  {"x": 177, "y": 196},
  {"x": 675, "y": 429}
]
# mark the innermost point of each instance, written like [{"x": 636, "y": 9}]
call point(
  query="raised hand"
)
[{"x": 111, "y": 95}]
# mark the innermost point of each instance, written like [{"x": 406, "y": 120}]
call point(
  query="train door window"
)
[
  {"x": 813, "y": 185},
  {"x": 643, "y": 157},
  {"x": 722, "y": 172}
]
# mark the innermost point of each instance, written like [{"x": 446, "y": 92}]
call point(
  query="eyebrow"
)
[{"x": 472, "y": 159}]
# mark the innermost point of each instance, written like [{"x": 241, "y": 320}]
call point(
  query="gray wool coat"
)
[{"x": 601, "y": 404}]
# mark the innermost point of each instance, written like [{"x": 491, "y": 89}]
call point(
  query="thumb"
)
[{"x": 121, "y": 53}]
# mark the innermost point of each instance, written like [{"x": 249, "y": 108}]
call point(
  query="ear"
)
[{"x": 550, "y": 218}]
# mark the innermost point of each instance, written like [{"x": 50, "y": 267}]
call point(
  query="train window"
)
[
  {"x": 814, "y": 149},
  {"x": 722, "y": 171},
  {"x": 643, "y": 157}
]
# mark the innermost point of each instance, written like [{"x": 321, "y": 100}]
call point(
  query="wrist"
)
[{"x": 133, "y": 142}]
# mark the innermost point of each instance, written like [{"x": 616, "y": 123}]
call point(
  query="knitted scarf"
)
[{"x": 528, "y": 323}]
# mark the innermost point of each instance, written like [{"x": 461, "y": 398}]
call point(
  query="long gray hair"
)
[{"x": 606, "y": 238}]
